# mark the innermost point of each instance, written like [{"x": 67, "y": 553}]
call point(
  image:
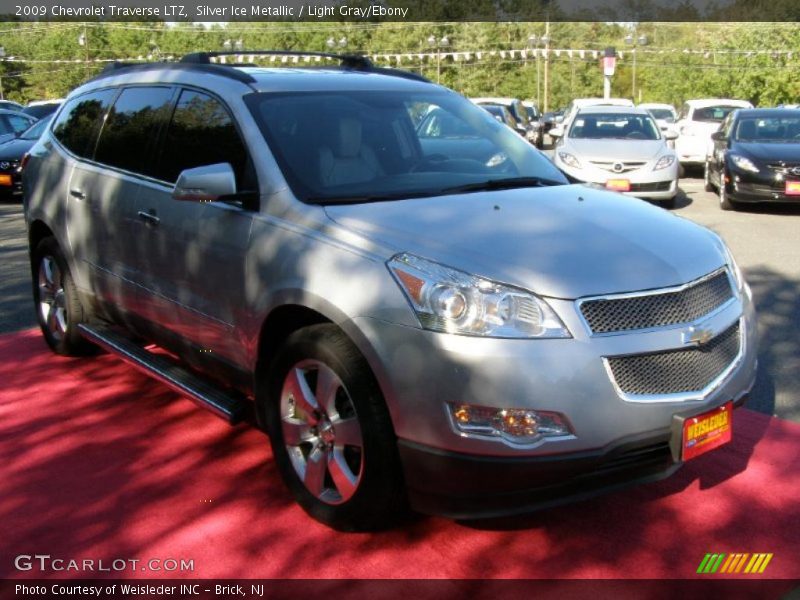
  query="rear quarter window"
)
[{"x": 77, "y": 124}]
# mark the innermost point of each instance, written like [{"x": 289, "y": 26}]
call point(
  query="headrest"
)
[{"x": 349, "y": 137}]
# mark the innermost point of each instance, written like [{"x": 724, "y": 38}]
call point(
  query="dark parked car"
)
[
  {"x": 13, "y": 123},
  {"x": 756, "y": 157},
  {"x": 502, "y": 114},
  {"x": 549, "y": 121},
  {"x": 11, "y": 153}
]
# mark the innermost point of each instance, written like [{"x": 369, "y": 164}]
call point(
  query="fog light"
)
[{"x": 515, "y": 425}]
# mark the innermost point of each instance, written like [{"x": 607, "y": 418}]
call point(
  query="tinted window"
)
[
  {"x": 769, "y": 129},
  {"x": 201, "y": 133},
  {"x": 35, "y": 131},
  {"x": 130, "y": 134},
  {"x": 19, "y": 123},
  {"x": 712, "y": 114},
  {"x": 76, "y": 126},
  {"x": 596, "y": 126}
]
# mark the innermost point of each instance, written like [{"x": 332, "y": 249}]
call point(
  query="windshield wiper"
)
[
  {"x": 367, "y": 198},
  {"x": 503, "y": 184}
]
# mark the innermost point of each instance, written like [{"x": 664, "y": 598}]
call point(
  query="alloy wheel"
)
[
  {"x": 52, "y": 298},
  {"x": 321, "y": 432}
]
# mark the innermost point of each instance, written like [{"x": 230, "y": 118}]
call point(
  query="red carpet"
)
[{"x": 100, "y": 462}]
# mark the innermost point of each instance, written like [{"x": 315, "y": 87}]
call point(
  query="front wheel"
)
[
  {"x": 707, "y": 185},
  {"x": 725, "y": 203},
  {"x": 331, "y": 433},
  {"x": 58, "y": 308}
]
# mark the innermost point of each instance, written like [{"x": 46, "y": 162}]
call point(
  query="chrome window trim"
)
[
  {"x": 656, "y": 292},
  {"x": 696, "y": 396}
]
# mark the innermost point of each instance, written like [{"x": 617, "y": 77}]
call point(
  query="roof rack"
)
[
  {"x": 201, "y": 61},
  {"x": 356, "y": 62}
]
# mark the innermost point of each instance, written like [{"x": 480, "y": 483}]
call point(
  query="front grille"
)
[
  {"x": 659, "y": 186},
  {"x": 783, "y": 167},
  {"x": 676, "y": 371},
  {"x": 605, "y": 315},
  {"x": 624, "y": 166}
]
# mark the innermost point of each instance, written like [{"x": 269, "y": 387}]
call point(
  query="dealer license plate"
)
[
  {"x": 618, "y": 185},
  {"x": 793, "y": 188},
  {"x": 707, "y": 431}
]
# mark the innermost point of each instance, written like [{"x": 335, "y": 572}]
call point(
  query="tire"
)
[
  {"x": 669, "y": 203},
  {"x": 725, "y": 203},
  {"x": 707, "y": 185},
  {"x": 336, "y": 451},
  {"x": 58, "y": 307}
]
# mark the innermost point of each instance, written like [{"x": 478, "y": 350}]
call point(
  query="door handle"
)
[
  {"x": 77, "y": 193},
  {"x": 149, "y": 217}
]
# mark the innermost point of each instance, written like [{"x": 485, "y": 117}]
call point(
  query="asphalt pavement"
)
[{"x": 764, "y": 240}]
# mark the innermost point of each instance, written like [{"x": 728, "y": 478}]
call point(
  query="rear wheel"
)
[
  {"x": 331, "y": 433},
  {"x": 58, "y": 308}
]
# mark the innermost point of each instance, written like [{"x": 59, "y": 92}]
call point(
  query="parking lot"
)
[{"x": 764, "y": 240}]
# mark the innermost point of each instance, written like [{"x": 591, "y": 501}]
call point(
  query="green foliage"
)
[{"x": 664, "y": 72}]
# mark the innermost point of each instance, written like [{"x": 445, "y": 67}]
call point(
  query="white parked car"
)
[
  {"x": 579, "y": 103},
  {"x": 664, "y": 114},
  {"x": 622, "y": 149},
  {"x": 697, "y": 120}
]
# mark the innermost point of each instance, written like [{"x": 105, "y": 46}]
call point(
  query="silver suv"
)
[{"x": 417, "y": 319}]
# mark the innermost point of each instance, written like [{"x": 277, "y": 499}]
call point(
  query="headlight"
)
[
  {"x": 453, "y": 301},
  {"x": 745, "y": 164},
  {"x": 569, "y": 160},
  {"x": 733, "y": 267},
  {"x": 664, "y": 162}
]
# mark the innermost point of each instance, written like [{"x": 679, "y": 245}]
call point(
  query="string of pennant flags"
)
[{"x": 464, "y": 56}]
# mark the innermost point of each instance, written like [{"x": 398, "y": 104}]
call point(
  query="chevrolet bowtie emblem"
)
[{"x": 697, "y": 336}]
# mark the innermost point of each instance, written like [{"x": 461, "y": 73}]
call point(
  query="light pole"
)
[
  {"x": 630, "y": 40},
  {"x": 533, "y": 44},
  {"x": 2, "y": 55},
  {"x": 545, "y": 39},
  {"x": 438, "y": 44}
]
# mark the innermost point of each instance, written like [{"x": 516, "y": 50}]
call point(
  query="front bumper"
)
[
  {"x": 645, "y": 183},
  {"x": 758, "y": 187},
  {"x": 616, "y": 441}
]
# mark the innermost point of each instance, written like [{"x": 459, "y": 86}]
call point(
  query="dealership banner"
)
[{"x": 397, "y": 10}]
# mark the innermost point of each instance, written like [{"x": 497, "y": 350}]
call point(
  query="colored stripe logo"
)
[{"x": 737, "y": 562}]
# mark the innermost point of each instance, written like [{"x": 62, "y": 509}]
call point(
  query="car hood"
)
[
  {"x": 769, "y": 152},
  {"x": 561, "y": 241},
  {"x": 15, "y": 148},
  {"x": 614, "y": 149}
]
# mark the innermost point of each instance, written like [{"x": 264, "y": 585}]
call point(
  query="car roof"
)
[
  {"x": 261, "y": 79},
  {"x": 705, "y": 102},
  {"x": 767, "y": 112},
  {"x": 613, "y": 110},
  {"x": 5, "y": 111},
  {"x": 581, "y": 102},
  {"x": 655, "y": 105}
]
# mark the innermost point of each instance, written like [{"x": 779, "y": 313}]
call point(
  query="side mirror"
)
[
  {"x": 718, "y": 136},
  {"x": 670, "y": 134},
  {"x": 205, "y": 184},
  {"x": 556, "y": 132}
]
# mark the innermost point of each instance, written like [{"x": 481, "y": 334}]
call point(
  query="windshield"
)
[
  {"x": 381, "y": 145},
  {"x": 768, "y": 129},
  {"x": 663, "y": 113},
  {"x": 34, "y": 132},
  {"x": 713, "y": 114},
  {"x": 600, "y": 126}
]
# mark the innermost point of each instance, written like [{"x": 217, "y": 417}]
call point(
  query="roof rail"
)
[
  {"x": 357, "y": 62},
  {"x": 117, "y": 66},
  {"x": 350, "y": 61}
]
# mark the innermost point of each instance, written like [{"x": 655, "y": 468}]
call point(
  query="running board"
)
[{"x": 183, "y": 381}]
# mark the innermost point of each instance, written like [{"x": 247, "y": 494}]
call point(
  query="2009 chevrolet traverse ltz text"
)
[{"x": 425, "y": 317}]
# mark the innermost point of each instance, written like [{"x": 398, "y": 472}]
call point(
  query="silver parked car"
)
[
  {"x": 441, "y": 323},
  {"x": 620, "y": 148}
]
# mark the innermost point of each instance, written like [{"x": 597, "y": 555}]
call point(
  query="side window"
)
[
  {"x": 130, "y": 133},
  {"x": 77, "y": 124},
  {"x": 200, "y": 133}
]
